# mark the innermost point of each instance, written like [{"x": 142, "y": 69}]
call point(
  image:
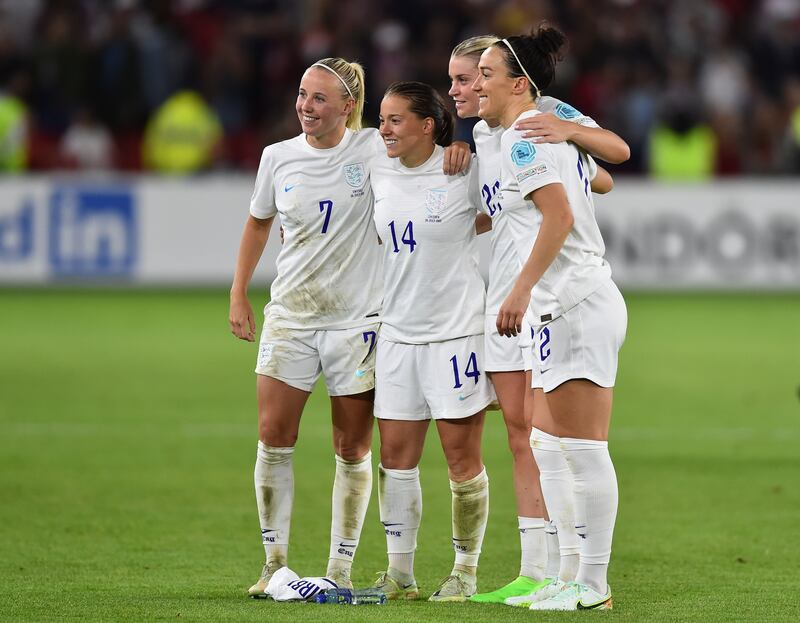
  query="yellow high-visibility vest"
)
[
  {"x": 13, "y": 123},
  {"x": 688, "y": 156},
  {"x": 181, "y": 135}
]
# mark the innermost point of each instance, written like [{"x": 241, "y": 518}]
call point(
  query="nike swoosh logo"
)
[
  {"x": 581, "y": 606},
  {"x": 360, "y": 373},
  {"x": 288, "y": 188},
  {"x": 379, "y": 200},
  {"x": 460, "y": 397},
  {"x": 265, "y": 531},
  {"x": 350, "y": 545},
  {"x": 387, "y": 525}
]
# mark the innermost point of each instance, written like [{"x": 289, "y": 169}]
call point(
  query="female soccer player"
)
[
  {"x": 577, "y": 312},
  {"x": 323, "y": 315},
  {"x": 508, "y": 371},
  {"x": 430, "y": 349}
]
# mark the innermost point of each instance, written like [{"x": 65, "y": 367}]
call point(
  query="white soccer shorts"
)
[
  {"x": 440, "y": 380},
  {"x": 503, "y": 354},
  {"x": 582, "y": 343},
  {"x": 346, "y": 358}
]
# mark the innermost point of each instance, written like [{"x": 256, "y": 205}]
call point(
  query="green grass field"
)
[{"x": 128, "y": 436}]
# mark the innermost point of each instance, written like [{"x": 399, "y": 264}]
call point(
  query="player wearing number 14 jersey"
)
[{"x": 430, "y": 350}]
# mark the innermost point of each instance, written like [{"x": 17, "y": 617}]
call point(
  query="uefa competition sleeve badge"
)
[
  {"x": 435, "y": 202},
  {"x": 523, "y": 153},
  {"x": 565, "y": 111}
]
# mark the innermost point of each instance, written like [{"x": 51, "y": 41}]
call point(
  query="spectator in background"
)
[
  {"x": 682, "y": 148},
  {"x": 87, "y": 144},
  {"x": 182, "y": 135}
]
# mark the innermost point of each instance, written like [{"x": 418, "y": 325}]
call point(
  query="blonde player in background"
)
[
  {"x": 323, "y": 315},
  {"x": 509, "y": 363},
  {"x": 577, "y": 312},
  {"x": 430, "y": 361}
]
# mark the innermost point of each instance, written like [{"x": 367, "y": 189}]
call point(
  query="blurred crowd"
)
[{"x": 697, "y": 87}]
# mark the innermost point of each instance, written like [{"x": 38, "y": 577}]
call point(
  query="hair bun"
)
[{"x": 549, "y": 41}]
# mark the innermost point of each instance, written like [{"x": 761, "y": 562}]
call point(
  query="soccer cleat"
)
[
  {"x": 545, "y": 591},
  {"x": 341, "y": 577},
  {"x": 457, "y": 587},
  {"x": 576, "y": 596},
  {"x": 395, "y": 589},
  {"x": 514, "y": 589},
  {"x": 257, "y": 590}
]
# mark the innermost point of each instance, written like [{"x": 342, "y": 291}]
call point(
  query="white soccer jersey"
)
[
  {"x": 329, "y": 266},
  {"x": 504, "y": 266},
  {"x": 579, "y": 269},
  {"x": 433, "y": 290},
  {"x": 545, "y": 103}
]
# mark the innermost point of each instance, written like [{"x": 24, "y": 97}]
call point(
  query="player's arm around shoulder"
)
[{"x": 599, "y": 142}]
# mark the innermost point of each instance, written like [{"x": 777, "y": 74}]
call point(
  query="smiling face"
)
[
  {"x": 321, "y": 107},
  {"x": 407, "y": 135},
  {"x": 463, "y": 70},
  {"x": 496, "y": 90}
]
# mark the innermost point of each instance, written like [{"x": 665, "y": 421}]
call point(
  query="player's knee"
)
[
  {"x": 519, "y": 440},
  {"x": 276, "y": 437},
  {"x": 463, "y": 467},
  {"x": 352, "y": 450},
  {"x": 397, "y": 457}
]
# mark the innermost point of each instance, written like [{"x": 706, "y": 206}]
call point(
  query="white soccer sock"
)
[
  {"x": 352, "y": 487},
  {"x": 400, "y": 502},
  {"x": 558, "y": 487},
  {"x": 274, "y": 482},
  {"x": 470, "y": 515},
  {"x": 553, "y": 553},
  {"x": 534, "y": 547},
  {"x": 596, "y": 498}
]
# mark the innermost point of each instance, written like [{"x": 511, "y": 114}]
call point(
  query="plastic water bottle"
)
[{"x": 363, "y": 597}]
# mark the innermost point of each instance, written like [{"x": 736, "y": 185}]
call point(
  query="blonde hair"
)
[
  {"x": 351, "y": 76},
  {"x": 474, "y": 46}
]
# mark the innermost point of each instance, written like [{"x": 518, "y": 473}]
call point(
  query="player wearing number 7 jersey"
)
[
  {"x": 324, "y": 311},
  {"x": 430, "y": 349}
]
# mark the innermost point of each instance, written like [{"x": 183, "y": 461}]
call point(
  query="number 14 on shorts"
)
[{"x": 471, "y": 370}]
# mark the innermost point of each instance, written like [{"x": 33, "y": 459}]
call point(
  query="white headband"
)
[
  {"x": 521, "y": 66},
  {"x": 347, "y": 88}
]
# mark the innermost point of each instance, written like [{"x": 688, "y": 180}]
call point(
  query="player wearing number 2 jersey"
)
[
  {"x": 508, "y": 362},
  {"x": 565, "y": 287},
  {"x": 430, "y": 349}
]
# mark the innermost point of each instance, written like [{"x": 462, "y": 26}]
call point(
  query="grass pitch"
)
[{"x": 128, "y": 436}]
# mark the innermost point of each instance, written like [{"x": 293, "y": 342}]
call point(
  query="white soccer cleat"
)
[
  {"x": 576, "y": 596},
  {"x": 340, "y": 577},
  {"x": 457, "y": 587},
  {"x": 257, "y": 590},
  {"x": 545, "y": 592}
]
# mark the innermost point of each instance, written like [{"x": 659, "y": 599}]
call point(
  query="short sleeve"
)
[
  {"x": 562, "y": 110},
  {"x": 532, "y": 165},
  {"x": 474, "y": 185},
  {"x": 262, "y": 203},
  {"x": 592, "y": 166}
]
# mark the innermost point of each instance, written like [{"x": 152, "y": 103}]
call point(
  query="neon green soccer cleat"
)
[
  {"x": 516, "y": 588},
  {"x": 576, "y": 596},
  {"x": 545, "y": 591}
]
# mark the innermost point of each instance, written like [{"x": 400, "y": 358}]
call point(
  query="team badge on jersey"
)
[
  {"x": 435, "y": 202},
  {"x": 565, "y": 111},
  {"x": 354, "y": 174},
  {"x": 522, "y": 153}
]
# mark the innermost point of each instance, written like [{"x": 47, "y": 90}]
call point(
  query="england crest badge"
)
[
  {"x": 354, "y": 174},
  {"x": 435, "y": 202}
]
